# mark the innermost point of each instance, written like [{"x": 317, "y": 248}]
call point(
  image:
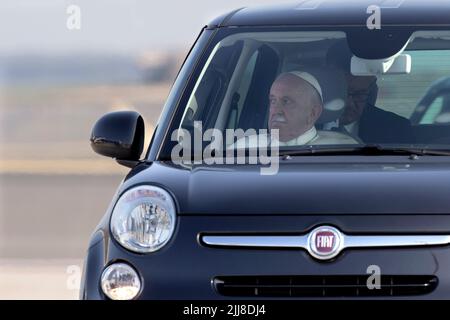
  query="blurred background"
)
[{"x": 57, "y": 76}]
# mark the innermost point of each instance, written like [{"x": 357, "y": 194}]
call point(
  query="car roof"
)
[{"x": 339, "y": 13}]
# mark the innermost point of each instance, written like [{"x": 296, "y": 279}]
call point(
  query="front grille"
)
[{"x": 322, "y": 286}]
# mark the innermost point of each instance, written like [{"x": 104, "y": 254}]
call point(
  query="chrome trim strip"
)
[
  {"x": 256, "y": 241},
  {"x": 302, "y": 241},
  {"x": 395, "y": 241}
]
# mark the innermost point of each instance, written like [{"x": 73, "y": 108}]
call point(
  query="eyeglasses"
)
[{"x": 358, "y": 95}]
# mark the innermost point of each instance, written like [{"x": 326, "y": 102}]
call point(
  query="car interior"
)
[{"x": 234, "y": 87}]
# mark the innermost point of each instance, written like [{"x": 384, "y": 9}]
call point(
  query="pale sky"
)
[{"x": 112, "y": 25}]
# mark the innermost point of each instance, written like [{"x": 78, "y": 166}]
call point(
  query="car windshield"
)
[{"x": 308, "y": 89}]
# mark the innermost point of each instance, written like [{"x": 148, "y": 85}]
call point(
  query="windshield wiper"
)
[{"x": 370, "y": 149}]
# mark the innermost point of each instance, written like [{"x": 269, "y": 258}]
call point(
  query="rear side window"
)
[{"x": 401, "y": 93}]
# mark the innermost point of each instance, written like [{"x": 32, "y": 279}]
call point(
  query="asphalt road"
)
[{"x": 51, "y": 216}]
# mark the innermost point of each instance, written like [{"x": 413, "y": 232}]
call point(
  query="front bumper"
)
[{"x": 185, "y": 269}]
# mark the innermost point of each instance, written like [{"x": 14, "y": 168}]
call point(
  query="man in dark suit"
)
[{"x": 361, "y": 118}]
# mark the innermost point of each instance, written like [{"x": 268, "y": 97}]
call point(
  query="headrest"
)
[{"x": 334, "y": 91}]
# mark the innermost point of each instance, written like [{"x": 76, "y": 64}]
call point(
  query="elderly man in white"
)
[{"x": 296, "y": 103}]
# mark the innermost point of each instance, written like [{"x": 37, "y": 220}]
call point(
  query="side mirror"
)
[{"x": 119, "y": 135}]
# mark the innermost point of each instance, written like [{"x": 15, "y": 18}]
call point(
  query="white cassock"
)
[{"x": 310, "y": 137}]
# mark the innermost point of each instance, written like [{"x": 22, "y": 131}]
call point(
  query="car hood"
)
[{"x": 391, "y": 186}]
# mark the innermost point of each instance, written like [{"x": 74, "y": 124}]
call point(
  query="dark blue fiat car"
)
[{"x": 286, "y": 164}]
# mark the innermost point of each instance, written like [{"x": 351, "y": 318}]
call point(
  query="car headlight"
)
[
  {"x": 120, "y": 281},
  {"x": 143, "y": 219}
]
